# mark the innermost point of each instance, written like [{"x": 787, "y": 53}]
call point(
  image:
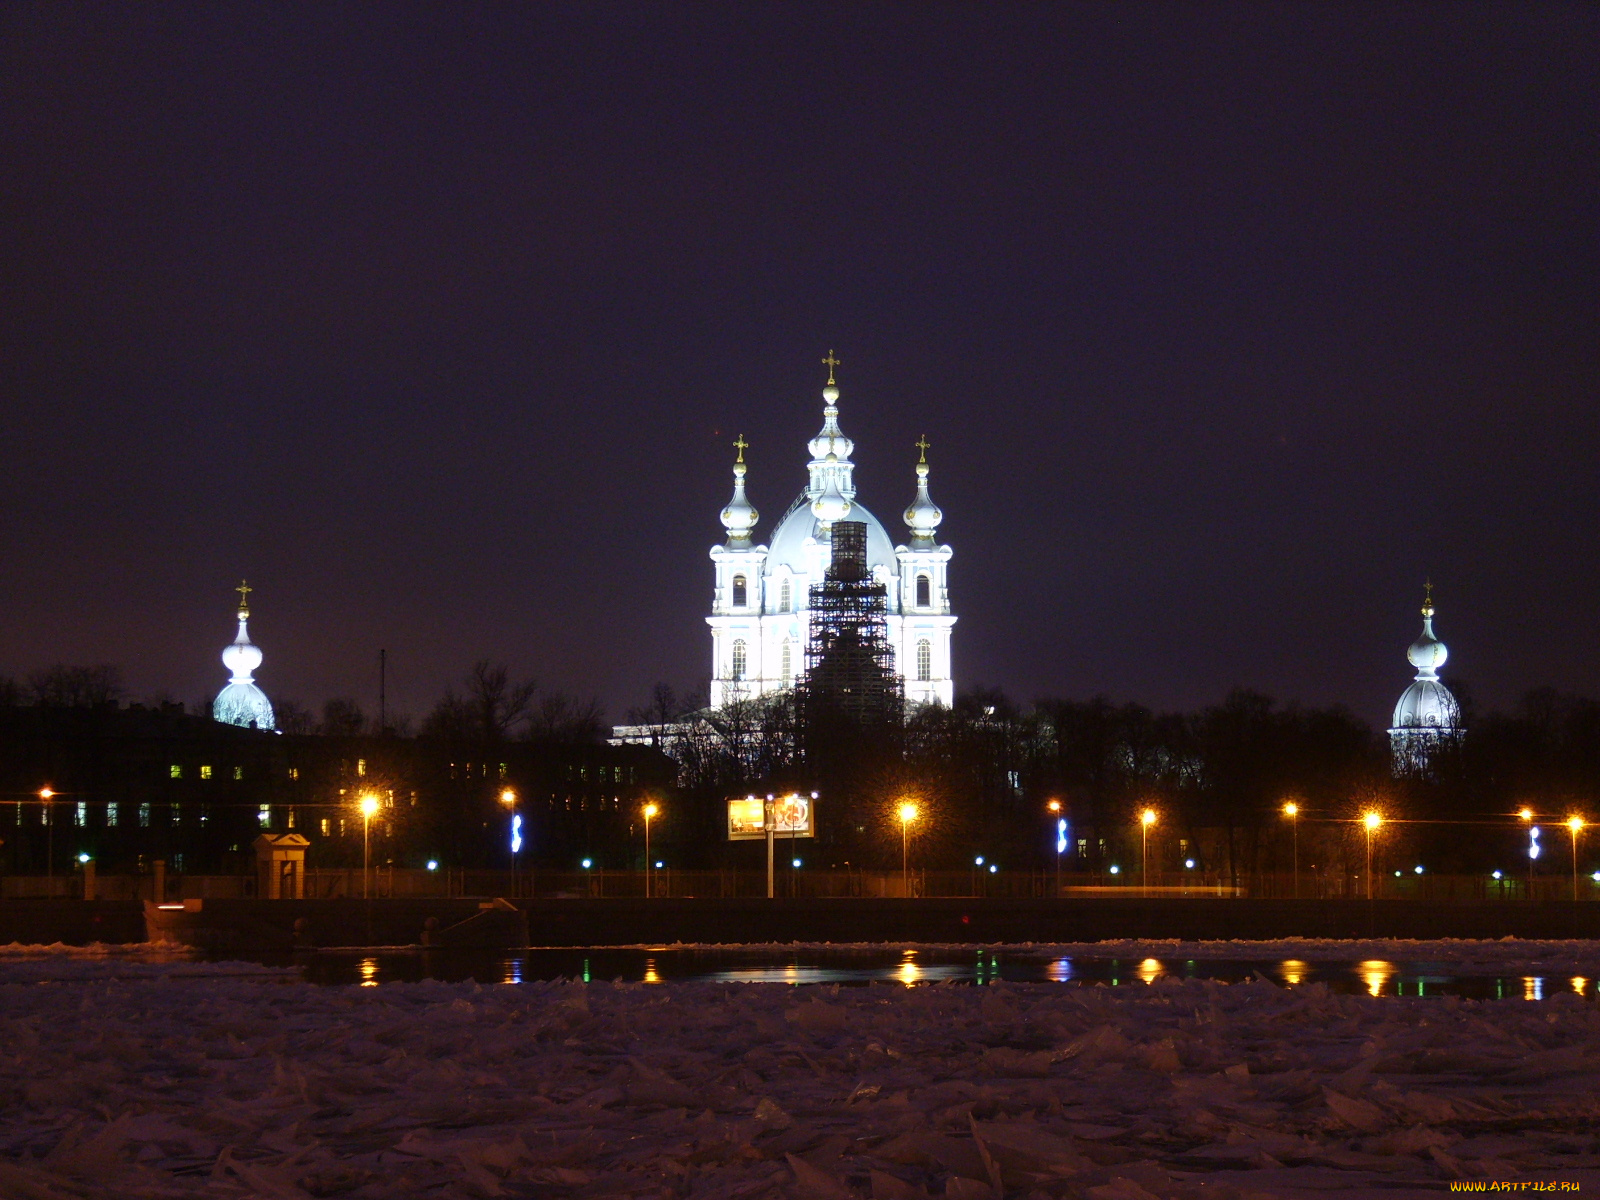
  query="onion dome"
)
[
  {"x": 1427, "y": 703},
  {"x": 924, "y": 515},
  {"x": 740, "y": 516},
  {"x": 830, "y": 449},
  {"x": 832, "y": 505},
  {"x": 242, "y": 702}
]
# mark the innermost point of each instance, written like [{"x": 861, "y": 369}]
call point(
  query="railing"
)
[{"x": 808, "y": 883}]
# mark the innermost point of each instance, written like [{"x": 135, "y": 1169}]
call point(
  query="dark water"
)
[{"x": 854, "y": 967}]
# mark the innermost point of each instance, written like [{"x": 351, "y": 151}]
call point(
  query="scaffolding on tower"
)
[{"x": 849, "y": 664}]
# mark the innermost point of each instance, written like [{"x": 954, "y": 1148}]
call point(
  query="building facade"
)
[{"x": 760, "y": 614}]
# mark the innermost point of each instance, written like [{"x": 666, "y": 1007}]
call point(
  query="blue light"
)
[
  {"x": 660, "y": 865},
  {"x": 794, "y": 862},
  {"x": 516, "y": 833},
  {"x": 1419, "y": 868},
  {"x": 1061, "y": 835},
  {"x": 993, "y": 867},
  {"x": 1533, "y": 842},
  {"x": 1496, "y": 875},
  {"x": 978, "y": 861},
  {"x": 433, "y": 864},
  {"x": 1116, "y": 870},
  {"x": 587, "y": 863},
  {"x": 1188, "y": 864}
]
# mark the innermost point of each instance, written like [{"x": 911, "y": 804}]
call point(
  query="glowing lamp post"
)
[
  {"x": 650, "y": 810},
  {"x": 1574, "y": 827},
  {"x": 908, "y": 814},
  {"x": 1292, "y": 811},
  {"x": 509, "y": 798},
  {"x": 1370, "y": 822},
  {"x": 1526, "y": 815},
  {"x": 1146, "y": 819},
  {"x": 47, "y": 796},
  {"x": 1054, "y": 808},
  {"x": 369, "y": 806}
]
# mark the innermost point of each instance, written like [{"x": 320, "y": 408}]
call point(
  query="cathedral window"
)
[
  {"x": 924, "y": 592},
  {"x": 924, "y": 660},
  {"x": 785, "y": 662},
  {"x": 741, "y": 592},
  {"x": 739, "y": 658},
  {"x": 785, "y": 596}
]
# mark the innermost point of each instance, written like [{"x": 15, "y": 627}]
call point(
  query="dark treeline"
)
[{"x": 984, "y": 771}]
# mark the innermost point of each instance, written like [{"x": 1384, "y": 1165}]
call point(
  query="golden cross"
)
[
  {"x": 1427, "y": 592},
  {"x": 831, "y": 362},
  {"x": 742, "y": 446},
  {"x": 244, "y": 590},
  {"x": 922, "y": 444}
]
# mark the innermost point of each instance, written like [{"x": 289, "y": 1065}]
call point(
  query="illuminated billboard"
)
[{"x": 791, "y": 817}]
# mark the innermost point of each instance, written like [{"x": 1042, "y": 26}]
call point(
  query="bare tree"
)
[
  {"x": 342, "y": 717},
  {"x": 62, "y": 686},
  {"x": 490, "y": 709}
]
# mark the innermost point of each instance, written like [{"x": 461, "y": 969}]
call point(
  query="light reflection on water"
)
[{"x": 919, "y": 967}]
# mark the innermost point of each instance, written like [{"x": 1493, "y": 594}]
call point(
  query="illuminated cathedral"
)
[
  {"x": 1427, "y": 715},
  {"x": 760, "y": 614}
]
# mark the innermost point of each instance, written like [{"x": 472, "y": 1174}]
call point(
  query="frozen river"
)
[{"x": 133, "y": 1074}]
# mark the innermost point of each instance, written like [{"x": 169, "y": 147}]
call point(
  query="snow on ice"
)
[{"x": 163, "y": 1084}]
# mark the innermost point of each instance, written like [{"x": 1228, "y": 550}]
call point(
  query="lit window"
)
[
  {"x": 81, "y": 816},
  {"x": 740, "y": 592},
  {"x": 238, "y": 772},
  {"x": 324, "y": 826},
  {"x": 294, "y": 773},
  {"x": 177, "y": 813},
  {"x": 784, "y": 662},
  {"x": 205, "y": 772},
  {"x": 177, "y": 862},
  {"x": 175, "y": 770},
  {"x": 1083, "y": 847},
  {"x": 144, "y": 816},
  {"x": 924, "y": 592},
  {"x": 291, "y": 817},
  {"x": 785, "y": 596},
  {"x": 502, "y": 771},
  {"x": 739, "y": 658},
  {"x": 924, "y": 660},
  {"x": 205, "y": 813},
  {"x": 264, "y": 816},
  {"x": 111, "y": 813},
  {"x": 361, "y": 766}
]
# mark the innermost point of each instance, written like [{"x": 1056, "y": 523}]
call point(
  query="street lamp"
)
[
  {"x": 1526, "y": 815},
  {"x": 1370, "y": 821},
  {"x": 1061, "y": 838},
  {"x": 908, "y": 814},
  {"x": 509, "y": 798},
  {"x": 1146, "y": 819},
  {"x": 1574, "y": 825},
  {"x": 46, "y": 795},
  {"x": 650, "y": 810},
  {"x": 1292, "y": 811},
  {"x": 369, "y": 806}
]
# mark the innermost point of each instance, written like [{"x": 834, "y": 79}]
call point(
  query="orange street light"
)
[
  {"x": 908, "y": 814},
  {"x": 369, "y": 806},
  {"x": 1292, "y": 811},
  {"x": 1146, "y": 819},
  {"x": 650, "y": 810},
  {"x": 1525, "y": 813},
  {"x": 46, "y": 795},
  {"x": 1371, "y": 821},
  {"x": 1574, "y": 825}
]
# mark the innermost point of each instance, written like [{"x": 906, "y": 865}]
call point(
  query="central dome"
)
[{"x": 788, "y": 547}]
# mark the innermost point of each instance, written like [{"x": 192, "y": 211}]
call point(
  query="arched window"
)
[
  {"x": 924, "y": 592},
  {"x": 785, "y": 663},
  {"x": 739, "y": 661},
  {"x": 740, "y": 592},
  {"x": 785, "y": 596},
  {"x": 924, "y": 660}
]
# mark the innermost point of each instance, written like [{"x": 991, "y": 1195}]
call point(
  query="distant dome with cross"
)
[{"x": 241, "y": 702}]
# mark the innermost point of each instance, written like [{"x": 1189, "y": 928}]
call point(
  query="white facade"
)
[
  {"x": 760, "y": 609},
  {"x": 1427, "y": 715}
]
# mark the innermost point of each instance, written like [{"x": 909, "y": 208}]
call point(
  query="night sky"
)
[{"x": 1228, "y": 325}]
